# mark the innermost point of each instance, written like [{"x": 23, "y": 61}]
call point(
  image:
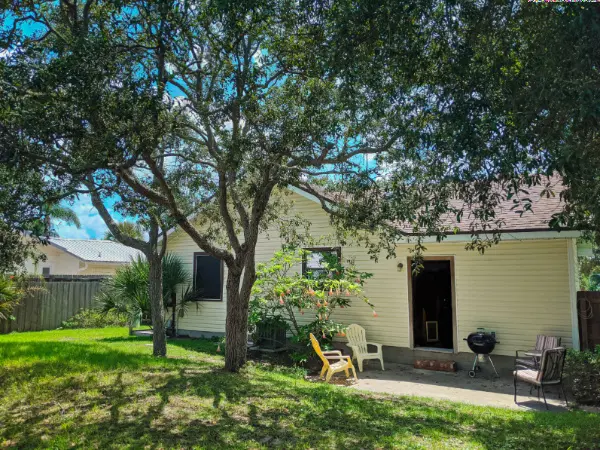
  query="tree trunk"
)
[
  {"x": 159, "y": 339},
  {"x": 236, "y": 329}
]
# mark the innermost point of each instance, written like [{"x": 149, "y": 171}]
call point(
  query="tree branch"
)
[
  {"x": 226, "y": 216},
  {"x": 110, "y": 223}
]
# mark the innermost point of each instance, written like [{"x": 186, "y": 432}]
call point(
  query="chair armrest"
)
[
  {"x": 375, "y": 344},
  {"x": 339, "y": 357},
  {"x": 519, "y": 355},
  {"x": 332, "y": 352}
]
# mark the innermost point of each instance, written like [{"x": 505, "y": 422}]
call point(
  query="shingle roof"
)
[
  {"x": 543, "y": 207},
  {"x": 536, "y": 219},
  {"x": 91, "y": 250}
]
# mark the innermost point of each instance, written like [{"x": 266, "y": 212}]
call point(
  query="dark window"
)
[
  {"x": 313, "y": 261},
  {"x": 45, "y": 271},
  {"x": 208, "y": 277}
]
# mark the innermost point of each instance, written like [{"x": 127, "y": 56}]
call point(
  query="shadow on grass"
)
[
  {"x": 36, "y": 359},
  {"x": 200, "y": 345},
  {"x": 125, "y": 399}
]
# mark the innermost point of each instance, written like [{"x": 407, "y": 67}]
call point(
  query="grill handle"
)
[{"x": 465, "y": 339}]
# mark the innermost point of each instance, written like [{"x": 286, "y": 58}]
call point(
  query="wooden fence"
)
[
  {"x": 50, "y": 303},
  {"x": 589, "y": 319}
]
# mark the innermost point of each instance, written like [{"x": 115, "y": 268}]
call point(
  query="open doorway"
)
[{"x": 432, "y": 305}]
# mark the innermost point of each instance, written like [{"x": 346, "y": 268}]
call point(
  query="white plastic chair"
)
[{"x": 357, "y": 341}]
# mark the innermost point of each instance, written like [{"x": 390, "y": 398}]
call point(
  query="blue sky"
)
[{"x": 92, "y": 225}]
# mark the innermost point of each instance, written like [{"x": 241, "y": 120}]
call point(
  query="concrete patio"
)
[{"x": 485, "y": 390}]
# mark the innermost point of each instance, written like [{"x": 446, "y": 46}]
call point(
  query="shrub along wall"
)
[
  {"x": 96, "y": 318},
  {"x": 582, "y": 370}
]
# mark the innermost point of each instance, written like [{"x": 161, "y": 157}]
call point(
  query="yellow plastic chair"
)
[{"x": 344, "y": 362}]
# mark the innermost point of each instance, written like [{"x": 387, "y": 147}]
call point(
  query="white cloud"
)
[
  {"x": 92, "y": 225},
  {"x": 70, "y": 232}
]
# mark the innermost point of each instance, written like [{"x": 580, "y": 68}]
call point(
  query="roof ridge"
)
[{"x": 83, "y": 240}]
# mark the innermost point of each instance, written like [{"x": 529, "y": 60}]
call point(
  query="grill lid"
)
[{"x": 481, "y": 342}]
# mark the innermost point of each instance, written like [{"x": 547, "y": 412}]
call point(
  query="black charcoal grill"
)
[{"x": 481, "y": 343}]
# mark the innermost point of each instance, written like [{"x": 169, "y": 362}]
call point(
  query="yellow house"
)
[
  {"x": 524, "y": 286},
  {"x": 81, "y": 257}
]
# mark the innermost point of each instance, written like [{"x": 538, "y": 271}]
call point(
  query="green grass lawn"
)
[{"x": 103, "y": 389}]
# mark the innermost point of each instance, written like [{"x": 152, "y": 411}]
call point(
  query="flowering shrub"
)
[{"x": 281, "y": 290}]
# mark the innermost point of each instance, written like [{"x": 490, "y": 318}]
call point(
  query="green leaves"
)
[
  {"x": 10, "y": 295},
  {"x": 283, "y": 291},
  {"x": 127, "y": 291}
]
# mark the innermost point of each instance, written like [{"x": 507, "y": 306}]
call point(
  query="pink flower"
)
[{"x": 375, "y": 314}]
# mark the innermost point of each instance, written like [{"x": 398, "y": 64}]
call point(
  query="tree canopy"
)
[
  {"x": 201, "y": 113},
  {"x": 509, "y": 97}
]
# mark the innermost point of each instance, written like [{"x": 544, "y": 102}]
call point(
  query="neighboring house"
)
[
  {"x": 81, "y": 257},
  {"x": 524, "y": 286}
]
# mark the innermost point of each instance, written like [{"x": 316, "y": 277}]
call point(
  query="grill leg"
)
[
  {"x": 494, "y": 367},
  {"x": 475, "y": 361}
]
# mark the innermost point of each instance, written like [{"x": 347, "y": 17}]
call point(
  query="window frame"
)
[
  {"x": 337, "y": 250},
  {"x": 221, "y": 271}
]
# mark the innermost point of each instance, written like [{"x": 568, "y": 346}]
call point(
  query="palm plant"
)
[
  {"x": 174, "y": 274},
  {"x": 43, "y": 226},
  {"x": 131, "y": 229},
  {"x": 67, "y": 215},
  {"x": 127, "y": 291},
  {"x": 10, "y": 294}
]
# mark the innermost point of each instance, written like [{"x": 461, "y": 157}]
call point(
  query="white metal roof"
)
[{"x": 91, "y": 250}]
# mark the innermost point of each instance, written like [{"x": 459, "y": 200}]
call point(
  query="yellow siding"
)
[
  {"x": 63, "y": 263},
  {"x": 518, "y": 288},
  {"x": 207, "y": 316},
  {"x": 59, "y": 262},
  {"x": 99, "y": 269}
]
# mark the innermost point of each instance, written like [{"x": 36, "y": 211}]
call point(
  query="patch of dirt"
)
[{"x": 337, "y": 379}]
